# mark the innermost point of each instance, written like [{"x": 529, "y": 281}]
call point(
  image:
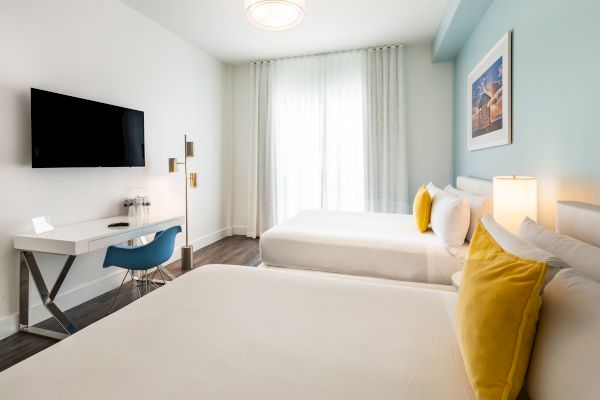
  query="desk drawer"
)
[
  {"x": 151, "y": 229},
  {"x": 119, "y": 238}
]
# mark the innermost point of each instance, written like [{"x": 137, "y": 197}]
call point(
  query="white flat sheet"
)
[
  {"x": 227, "y": 332},
  {"x": 368, "y": 244}
]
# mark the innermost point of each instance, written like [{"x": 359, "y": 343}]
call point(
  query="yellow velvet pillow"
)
[
  {"x": 422, "y": 208},
  {"x": 496, "y": 315}
]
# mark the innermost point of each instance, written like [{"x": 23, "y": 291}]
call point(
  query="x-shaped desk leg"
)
[{"x": 29, "y": 264}]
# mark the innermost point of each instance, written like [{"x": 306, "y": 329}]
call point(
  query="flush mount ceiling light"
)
[{"x": 275, "y": 15}]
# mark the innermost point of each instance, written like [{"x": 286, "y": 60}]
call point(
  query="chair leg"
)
[
  {"x": 152, "y": 281},
  {"x": 137, "y": 284},
  {"x": 164, "y": 278},
  {"x": 117, "y": 295},
  {"x": 145, "y": 287}
]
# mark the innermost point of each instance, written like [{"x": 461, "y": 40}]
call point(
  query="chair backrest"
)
[
  {"x": 143, "y": 257},
  {"x": 163, "y": 245}
]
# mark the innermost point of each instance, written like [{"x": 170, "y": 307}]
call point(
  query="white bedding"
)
[
  {"x": 368, "y": 244},
  {"x": 226, "y": 332}
]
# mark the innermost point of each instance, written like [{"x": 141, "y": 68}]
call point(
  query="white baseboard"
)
[
  {"x": 211, "y": 238},
  {"x": 9, "y": 325},
  {"x": 202, "y": 242},
  {"x": 239, "y": 230}
]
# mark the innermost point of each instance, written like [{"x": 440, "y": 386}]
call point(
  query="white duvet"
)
[
  {"x": 367, "y": 244},
  {"x": 226, "y": 332}
]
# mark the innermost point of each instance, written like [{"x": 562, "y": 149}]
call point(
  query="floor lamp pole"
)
[
  {"x": 191, "y": 180},
  {"x": 187, "y": 251}
]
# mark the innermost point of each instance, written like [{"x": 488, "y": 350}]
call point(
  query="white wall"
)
[
  {"x": 241, "y": 128},
  {"x": 105, "y": 51},
  {"x": 429, "y": 125},
  {"x": 429, "y": 119}
]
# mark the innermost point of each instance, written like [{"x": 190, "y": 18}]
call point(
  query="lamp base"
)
[{"x": 187, "y": 258}]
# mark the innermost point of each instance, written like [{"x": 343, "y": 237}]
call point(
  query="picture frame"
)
[{"x": 490, "y": 97}]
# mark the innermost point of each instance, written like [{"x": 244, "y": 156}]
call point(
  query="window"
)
[{"x": 318, "y": 133}]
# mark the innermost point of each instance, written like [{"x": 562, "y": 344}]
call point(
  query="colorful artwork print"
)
[
  {"x": 486, "y": 106},
  {"x": 489, "y": 98}
]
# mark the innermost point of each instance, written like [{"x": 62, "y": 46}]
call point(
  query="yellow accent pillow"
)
[
  {"x": 422, "y": 208},
  {"x": 496, "y": 315}
]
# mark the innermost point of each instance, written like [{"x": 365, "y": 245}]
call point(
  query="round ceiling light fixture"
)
[{"x": 275, "y": 15}]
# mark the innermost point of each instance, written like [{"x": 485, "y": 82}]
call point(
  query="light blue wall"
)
[
  {"x": 556, "y": 98},
  {"x": 458, "y": 21}
]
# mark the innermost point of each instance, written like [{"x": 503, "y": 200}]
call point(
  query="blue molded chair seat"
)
[{"x": 142, "y": 258}]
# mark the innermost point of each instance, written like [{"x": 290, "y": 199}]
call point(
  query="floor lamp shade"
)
[
  {"x": 515, "y": 197},
  {"x": 172, "y": 165},
  {"x": 189, "y": 149}
]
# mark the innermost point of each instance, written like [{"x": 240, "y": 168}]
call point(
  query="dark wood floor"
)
[{"x": 231, "y": 250}]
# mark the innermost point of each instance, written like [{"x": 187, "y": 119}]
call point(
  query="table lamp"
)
[
  {"x": 191, "y": 181},
  {"x": 515, "y": 197}
]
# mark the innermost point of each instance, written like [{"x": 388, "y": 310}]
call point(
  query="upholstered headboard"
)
[
  {"x": 474, "y": 185},
  {"x": 579, "y": 220}
]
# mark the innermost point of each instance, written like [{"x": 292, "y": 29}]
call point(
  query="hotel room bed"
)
[
  {"x": 228, "y": 332},
  {"x": 368, "y": 244}
]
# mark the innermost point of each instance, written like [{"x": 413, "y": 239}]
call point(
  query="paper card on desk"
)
[{"x": 42, "y": 225}]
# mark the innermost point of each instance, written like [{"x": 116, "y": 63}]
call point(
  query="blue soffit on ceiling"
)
[{"x": 459, "y": 20}]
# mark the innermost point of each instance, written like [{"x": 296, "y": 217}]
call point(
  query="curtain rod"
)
[{"x": 328, "y": 53}]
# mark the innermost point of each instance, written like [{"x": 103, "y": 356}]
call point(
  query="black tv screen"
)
[{"x": 68, "y": 131}]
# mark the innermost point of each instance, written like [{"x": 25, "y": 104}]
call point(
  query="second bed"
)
[{"x": 367, "y": 244}]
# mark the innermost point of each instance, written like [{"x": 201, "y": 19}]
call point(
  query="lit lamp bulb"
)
[{"x": 515, "y": 197}]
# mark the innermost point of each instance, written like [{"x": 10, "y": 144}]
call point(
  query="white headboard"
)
[
  {"x": 474, "y": 185},
  {"x": 579, "y": 220}
]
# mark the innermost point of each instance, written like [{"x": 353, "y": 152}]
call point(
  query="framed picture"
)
[{"x": 490, "y": 98}]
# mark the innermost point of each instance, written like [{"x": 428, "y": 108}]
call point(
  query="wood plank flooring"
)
[{"x": 237, "y": 250}]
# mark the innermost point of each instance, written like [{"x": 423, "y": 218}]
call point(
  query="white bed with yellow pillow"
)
[
  {"x": 231, "y": 332},
  {"x": 369, "y": 244},
  {"x": 227, "y": 332}
]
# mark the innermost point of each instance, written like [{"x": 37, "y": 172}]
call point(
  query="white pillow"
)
[
  {"x": 479, "y": 205},
  {"x": 450, "y": 218},
  {"x": 566, "y": 357},
  {"x": 577, "y": 254},
  {"x": 433, "y": 190},
  {"x": 520, "y": 247}
]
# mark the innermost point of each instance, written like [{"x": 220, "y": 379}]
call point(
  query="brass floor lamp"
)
[{"x": 187, "y": 252}]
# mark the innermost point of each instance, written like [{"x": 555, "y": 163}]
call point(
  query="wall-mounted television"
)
[{"x": 68, "y": 131}]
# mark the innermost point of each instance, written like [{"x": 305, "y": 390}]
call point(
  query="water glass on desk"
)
[{"x": 128, "y": 208}]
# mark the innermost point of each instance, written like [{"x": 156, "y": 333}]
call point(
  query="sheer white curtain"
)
[
  {"x": 328, "y": 133},
  {"x": 262, "y": 205},
  {"x": 386, "y": 177},
  {"x": 317, "y": 125}
]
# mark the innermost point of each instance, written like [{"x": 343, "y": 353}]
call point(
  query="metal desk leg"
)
[
  {"x": 29, "y": 264},
  {"x": 23, "y": 293}
]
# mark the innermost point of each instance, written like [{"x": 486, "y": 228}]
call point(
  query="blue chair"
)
[{"x": 141, "y": 258}]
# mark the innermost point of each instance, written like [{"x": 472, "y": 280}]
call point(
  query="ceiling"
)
[{"x": 219, "y": 27}]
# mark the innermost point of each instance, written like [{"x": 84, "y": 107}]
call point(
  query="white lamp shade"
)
[
  {"x": 275, "y": 15},
  {"x": 515, "y": 197}
]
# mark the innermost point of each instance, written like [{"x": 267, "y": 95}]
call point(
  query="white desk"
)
[{"x": 73, "y": 240}]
